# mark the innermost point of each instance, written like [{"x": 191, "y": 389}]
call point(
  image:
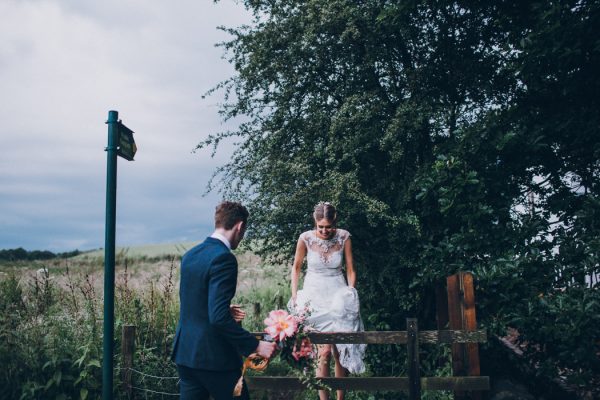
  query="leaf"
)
[
  {"x": 58, "y": 377},
  {"x": 83, "y": 393},
  {"x": 82, "y": 376},
  {"x": 79, "y": 361}
]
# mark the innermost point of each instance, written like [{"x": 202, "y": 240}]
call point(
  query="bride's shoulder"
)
[
  {"x": 343, "y": 234},
  {"x": 305, "y": 236}
]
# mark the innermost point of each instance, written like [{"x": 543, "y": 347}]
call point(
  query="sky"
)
[{"x": 63, "y": 65}]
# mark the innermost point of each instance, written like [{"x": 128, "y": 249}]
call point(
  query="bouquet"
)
[{"x": 290, "y": 332}]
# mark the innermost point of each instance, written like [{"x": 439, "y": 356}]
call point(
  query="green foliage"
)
[
  {"x": 563, "y": 326},
  {"x": 45, "y": 352},
  {"x": 51, "y": 334},
  {"x": 21, "y": 254},
  {"x": 451, "y": 135}
]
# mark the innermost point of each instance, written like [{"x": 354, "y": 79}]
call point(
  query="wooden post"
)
[
  {"x": 414, "y": 371},
  {"x": 455, "y": 323},
  {"x": 256, "y": 311},
  {"x": 470, "y": 324},
  {"x": 461, "y": 313},
  {"x": 127, "y": 351}
]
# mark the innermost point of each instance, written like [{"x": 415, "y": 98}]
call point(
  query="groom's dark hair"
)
[{"x": 229, "y": 213}]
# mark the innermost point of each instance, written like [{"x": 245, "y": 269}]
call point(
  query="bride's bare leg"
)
[
  {"x": 340, "y": 372},
  {"x": 324, "y": 353}
]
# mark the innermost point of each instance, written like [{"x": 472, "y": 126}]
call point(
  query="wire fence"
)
[{"x": 144, "y": 390}]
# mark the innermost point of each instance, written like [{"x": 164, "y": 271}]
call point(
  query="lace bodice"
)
[{"x": 324, "y": 256}]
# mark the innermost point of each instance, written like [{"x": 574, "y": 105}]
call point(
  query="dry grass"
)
[{"x": 142, "y": 266}]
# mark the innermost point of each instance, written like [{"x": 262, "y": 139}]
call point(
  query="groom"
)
[{"x": 209, "y": 344}]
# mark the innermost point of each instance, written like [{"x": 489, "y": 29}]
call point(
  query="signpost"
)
[
  {"x": 127, "y": 147},
  {"x": 121, "y": 143}
]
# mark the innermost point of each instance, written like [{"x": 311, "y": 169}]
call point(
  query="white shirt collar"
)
[{"x": 217, "y": 235}]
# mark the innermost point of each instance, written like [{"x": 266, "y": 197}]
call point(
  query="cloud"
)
[{"x": 63, "y": 66}]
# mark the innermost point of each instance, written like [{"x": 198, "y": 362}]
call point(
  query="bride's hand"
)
[{"x": 236, "y": 312}]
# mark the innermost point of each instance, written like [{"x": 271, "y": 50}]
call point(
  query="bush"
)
[{"x": 51, "y": 334}]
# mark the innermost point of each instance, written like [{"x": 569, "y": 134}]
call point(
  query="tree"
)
[{"x": 428, "y": 123}]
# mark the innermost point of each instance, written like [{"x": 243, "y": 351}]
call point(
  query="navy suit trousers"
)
[{"x": 198, "y": 384}]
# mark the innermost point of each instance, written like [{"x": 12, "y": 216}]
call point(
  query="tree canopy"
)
[
  {"x": 20, "y": 254},
  {"x": 451, "y": 135}
]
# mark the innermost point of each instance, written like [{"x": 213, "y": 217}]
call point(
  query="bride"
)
[{"x": 333, "y": 302}]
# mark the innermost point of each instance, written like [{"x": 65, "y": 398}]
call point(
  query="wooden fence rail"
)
[{"x": 413, "y": 383}]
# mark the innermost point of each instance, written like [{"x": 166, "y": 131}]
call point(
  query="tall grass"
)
[
  {"x": 49, "y": 339},
  {"x": 51, "y": 327},
  {"x": 51, "y": 331}
]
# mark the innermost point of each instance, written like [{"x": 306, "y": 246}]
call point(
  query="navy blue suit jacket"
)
[{"x": 207, "y": 336}]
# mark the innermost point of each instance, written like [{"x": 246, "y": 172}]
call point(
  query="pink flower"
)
[
  {"x": 280, "y": 325},
  {"x": 299, "y": 319},
  {"x": 305, "y": 350}
]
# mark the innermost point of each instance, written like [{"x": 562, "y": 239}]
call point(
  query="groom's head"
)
[{"x": 232, "y": 217}]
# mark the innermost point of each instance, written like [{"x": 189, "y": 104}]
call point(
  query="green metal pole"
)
[{"x": 109, "y": 256}]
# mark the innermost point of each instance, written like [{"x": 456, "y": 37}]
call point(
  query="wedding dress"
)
[{"x": 333, "y": 305}]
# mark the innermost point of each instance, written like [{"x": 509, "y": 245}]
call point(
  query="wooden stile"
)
[
  {"x": 371, "y": 384},
  {"x": 470, "y": 323},
  {"x": 414, "y": 384},
  {"x": 462, "y": 335},
  {"x": 256, "y": 310},
  {"x": 461, "y": 313},
  {"x": 414, "y": 374},
  {"x": 393, "y": 337},
  {"x": 455, "y": 323},
  {"x": 127, "y": 351}
]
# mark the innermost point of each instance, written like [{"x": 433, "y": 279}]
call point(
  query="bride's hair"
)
[{"x": 325, "y": 210}]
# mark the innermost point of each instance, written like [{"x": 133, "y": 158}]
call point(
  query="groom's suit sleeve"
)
[{"x": 221, "y": 289}]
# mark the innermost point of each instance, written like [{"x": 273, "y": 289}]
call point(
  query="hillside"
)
[{"x": 147, "y": 250}]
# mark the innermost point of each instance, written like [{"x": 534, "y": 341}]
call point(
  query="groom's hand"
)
[
  {"x": 266, "y": 349},
  {"x": 236, "y": 312}
]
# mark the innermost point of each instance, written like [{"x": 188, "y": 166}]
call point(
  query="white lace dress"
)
[{"x": 333, "y": 305}]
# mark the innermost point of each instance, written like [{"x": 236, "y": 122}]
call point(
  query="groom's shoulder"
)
[{"x": 208, "y": 246}]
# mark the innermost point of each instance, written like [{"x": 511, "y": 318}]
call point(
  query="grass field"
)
[
  {"x": 145, "y": 251},
  {"x": 51, "y": 317},
  {"x": 144, "y": 265}
]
